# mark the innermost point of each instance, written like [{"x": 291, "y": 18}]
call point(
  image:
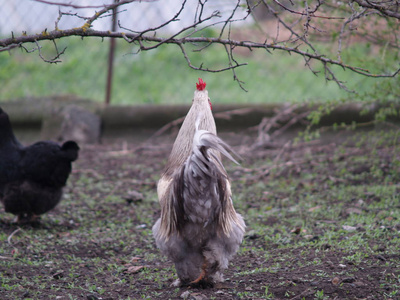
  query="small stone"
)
[
  {"x": 134, "y": 196},
  {"x": 198, "y": 296},
  {"x": 297, "y": 280},
  {"x": 353, "y": 210},
  {"x": 342, "y": 266},
  {"x": 185, "y": 295},
  {"x": 349, "y": 228}
]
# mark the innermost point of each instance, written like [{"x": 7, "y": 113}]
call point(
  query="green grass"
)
[
  {"x": 162, "y": 75},
  {"x": 91, "y": 238}
]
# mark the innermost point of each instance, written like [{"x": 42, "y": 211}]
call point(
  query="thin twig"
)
[
  {"x": 305, "y": 14},
  {"x": 297, "y": 43},
  {"x": 6, "y": 258},
  {"x": 11, "y": 236},
  {"x": 70, "y": 4},
  {"x": 178, "y": 41}
]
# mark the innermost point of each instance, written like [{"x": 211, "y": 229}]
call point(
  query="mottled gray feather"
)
[{"x": 204, "y": 225}]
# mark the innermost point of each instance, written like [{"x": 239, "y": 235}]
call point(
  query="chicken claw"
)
[{"x": 202, "y": 274}]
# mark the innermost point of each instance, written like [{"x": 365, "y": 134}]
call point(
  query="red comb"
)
[{"x": 201, "y": 85}]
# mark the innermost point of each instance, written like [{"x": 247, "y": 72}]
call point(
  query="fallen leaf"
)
[
  {"x": 335, "y": 281},
  {"x": 296, "y": 230},
  {"x": 134, "y": 269},
  {"x": 63, "y": 234},
  {"x": 135, "y": 259},
  {"x": 314, "y": 208}
]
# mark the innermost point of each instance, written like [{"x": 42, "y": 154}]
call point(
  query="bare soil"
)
[{"x": 97, "y": 243}]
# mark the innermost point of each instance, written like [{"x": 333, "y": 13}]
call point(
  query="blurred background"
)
[{"x": 159, "y": 76}]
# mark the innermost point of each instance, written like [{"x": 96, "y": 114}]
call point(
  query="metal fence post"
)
[{"x": 111, "y": 54}]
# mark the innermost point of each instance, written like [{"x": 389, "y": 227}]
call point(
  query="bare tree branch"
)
[
  {"x": 297, "y": 24},
  {"x": 84, "y": 32},
  {"x": 87, "y": 6},
  {"x": 384, "y": 7}
]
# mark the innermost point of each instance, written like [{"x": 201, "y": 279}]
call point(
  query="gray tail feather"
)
[{"x": 203, "y": 141}]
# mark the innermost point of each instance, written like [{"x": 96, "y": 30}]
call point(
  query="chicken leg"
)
[{"x": 202, "y": 274}]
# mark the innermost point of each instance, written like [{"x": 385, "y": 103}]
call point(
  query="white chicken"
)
[{"x": 199, "y": 229}]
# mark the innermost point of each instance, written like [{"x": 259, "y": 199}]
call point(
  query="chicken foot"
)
[
  {"x": 202, "y": 274},
  {"x": 27, "y": 218}
]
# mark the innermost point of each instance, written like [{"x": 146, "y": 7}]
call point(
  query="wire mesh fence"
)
[
  {"x": 31, "y": 17},
  {"x": 83, "y": 70}
]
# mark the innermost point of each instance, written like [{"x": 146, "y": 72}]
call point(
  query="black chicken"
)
[{"x": 32, "y": 178}]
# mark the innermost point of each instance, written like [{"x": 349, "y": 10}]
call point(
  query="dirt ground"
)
[{"x": 322, "y": 223}]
